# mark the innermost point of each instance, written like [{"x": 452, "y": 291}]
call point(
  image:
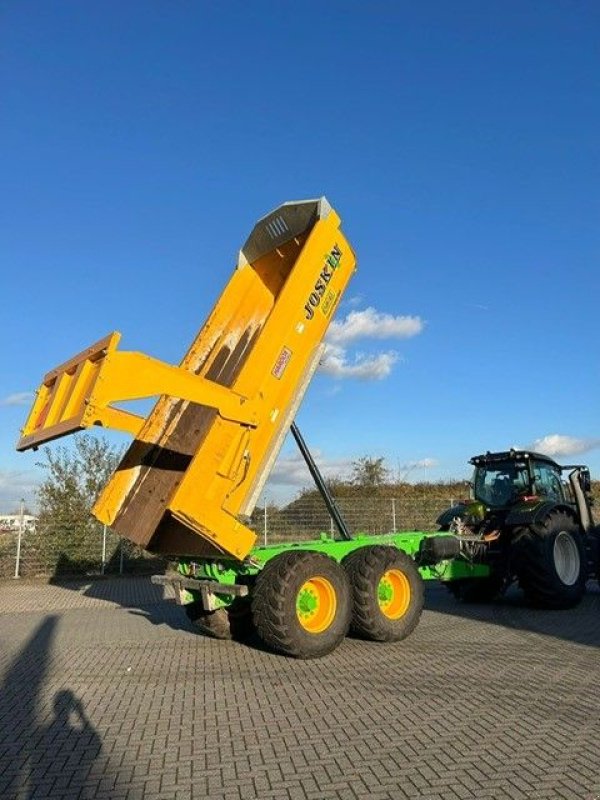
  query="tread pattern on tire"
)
[
  {"x": 534, "y": 563},
  {"x": 233, "y": 622},
  {"x": 274, "y": 604},
  {"x": 211, "y": 623},
  {"x": 365, "y": 568}
]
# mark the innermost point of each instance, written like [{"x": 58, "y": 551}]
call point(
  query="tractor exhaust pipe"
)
[{"x": 581, "y": 500}]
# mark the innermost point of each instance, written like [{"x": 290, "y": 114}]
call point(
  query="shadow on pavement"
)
[
  {"x": 580, "y": 625},
  {"x": 141, "y": 598},
  {"x": 41, "y": 760},
  {"x": 70, "y": 740},
  {"x": 135, "y": 594}
]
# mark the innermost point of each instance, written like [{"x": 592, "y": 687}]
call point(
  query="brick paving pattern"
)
[{"x": 105, "y": 692}]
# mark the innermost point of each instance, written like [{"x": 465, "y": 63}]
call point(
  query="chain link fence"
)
[
  {"x": 306, "y": 518},
  {"x": 55, "y": 549}
]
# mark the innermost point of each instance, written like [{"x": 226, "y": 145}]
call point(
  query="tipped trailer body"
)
[
  {"x": 199, "y": 460},
  {"x": 189, "y": 482}
]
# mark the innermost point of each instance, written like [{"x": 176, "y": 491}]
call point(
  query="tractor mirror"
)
[{"x": 584, "y": 481}]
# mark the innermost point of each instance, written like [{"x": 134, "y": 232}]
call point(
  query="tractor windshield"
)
[
  {"x": 501, "y": 483},
  {"x": 547, "y": 481}
]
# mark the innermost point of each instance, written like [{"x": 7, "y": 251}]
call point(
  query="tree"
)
[
  {"x": 367, "y": 471},
  {"x": 74, "y": 478}
]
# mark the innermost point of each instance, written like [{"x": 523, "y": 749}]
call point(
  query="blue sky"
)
[{"x": 459, "y": 141}]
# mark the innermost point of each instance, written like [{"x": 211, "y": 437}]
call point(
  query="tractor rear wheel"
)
[
  {"x": 387, "y": 593},
  {"x": 550, "y": 562},
  {"x": 301, "y": 604}
]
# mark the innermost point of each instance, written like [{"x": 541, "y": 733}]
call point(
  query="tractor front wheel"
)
[
  {"x": 301, "y": 604},
  {"x": 387, "y": 593},
  {"x": 550, "y": 562}
]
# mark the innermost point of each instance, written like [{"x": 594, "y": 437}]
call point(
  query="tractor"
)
[{"x": 528, "y": 524}]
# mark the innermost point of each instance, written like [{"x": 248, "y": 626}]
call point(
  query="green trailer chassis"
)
[{"x": 218, "y": 582}]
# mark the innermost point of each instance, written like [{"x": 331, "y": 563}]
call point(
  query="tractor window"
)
[
  {"x": 500, "y": 484},
  {"x": 547, "y": 482}
]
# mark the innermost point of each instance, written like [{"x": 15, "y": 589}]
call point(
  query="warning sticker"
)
[{"x": 281, "y": 363}]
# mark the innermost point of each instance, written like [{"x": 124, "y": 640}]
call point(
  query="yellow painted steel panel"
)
[
  {"x": 63, "y": 398},
  {"x": 200, "y": 458}
]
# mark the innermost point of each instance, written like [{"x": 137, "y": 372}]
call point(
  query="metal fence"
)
[
  {"x": 93, "y": 551},
  {"x": 306, "y": 518},
  {"x": 56, "y": 549}
]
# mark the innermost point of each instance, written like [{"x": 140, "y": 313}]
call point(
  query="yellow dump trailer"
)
[{"x": 199, "y": 460}]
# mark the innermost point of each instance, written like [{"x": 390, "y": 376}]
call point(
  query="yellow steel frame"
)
[
  {"x": 266, "y": 330},
  {"x": 80, "y": 393}
]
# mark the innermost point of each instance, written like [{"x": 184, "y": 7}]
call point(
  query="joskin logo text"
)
[{"x": 332, "y": 262}]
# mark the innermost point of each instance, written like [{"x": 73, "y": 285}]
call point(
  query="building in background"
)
[{"x": 12, "y": 522}]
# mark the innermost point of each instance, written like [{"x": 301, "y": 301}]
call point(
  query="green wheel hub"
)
[
  {"x": 316, "y": 604},
  {"x": 384, "y": 592},
  {"x": 306, "y": 602}
]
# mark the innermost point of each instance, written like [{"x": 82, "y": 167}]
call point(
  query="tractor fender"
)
[{"x": 529, "y": 515}]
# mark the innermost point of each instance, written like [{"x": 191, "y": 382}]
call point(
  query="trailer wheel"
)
[
  {"x": 387, "y": 593},
  {"x": 233, "y": 622},
  {"x": 301, "y": 604},
  {"x": 211, "y": 623},
  {"x": 550, "y": 562}
]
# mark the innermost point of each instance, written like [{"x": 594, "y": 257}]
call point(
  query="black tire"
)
[
  {"x": 241, "y": 625},
  {"x": 372, "y": 571},
  {"x": 592, "y": 546},
  {"x": 210, "y": 623},
  {"x": 286, "y": 582},
  {"x": 233, "y": 622},
  {"x": 476, "y": 590},
  {"x": 550, "y": 562}
]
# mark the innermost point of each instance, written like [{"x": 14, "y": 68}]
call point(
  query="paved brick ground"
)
[{"x": 106, "y": 693}]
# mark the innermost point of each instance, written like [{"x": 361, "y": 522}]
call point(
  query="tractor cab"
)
[
  {"x": 526, "y": 522},
  {"x": 502, "y": 479}
]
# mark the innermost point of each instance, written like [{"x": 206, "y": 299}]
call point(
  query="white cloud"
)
[
  {"x": 557, "y": 444},
  {"x": 426, "y": 463},
  {"x": 372, "y": 324},
  {"x": 17, "y": 399},
  {"x": 338, "y": 364},
  {"x": 14, "y": 485},
  {"x": 292, "y": 470},
  {"x": 290, "y": 474},
  {"x": 423, "y": 463},
  {"x": 354, "y": 301},
  {"x": 366, "y": 324}
]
